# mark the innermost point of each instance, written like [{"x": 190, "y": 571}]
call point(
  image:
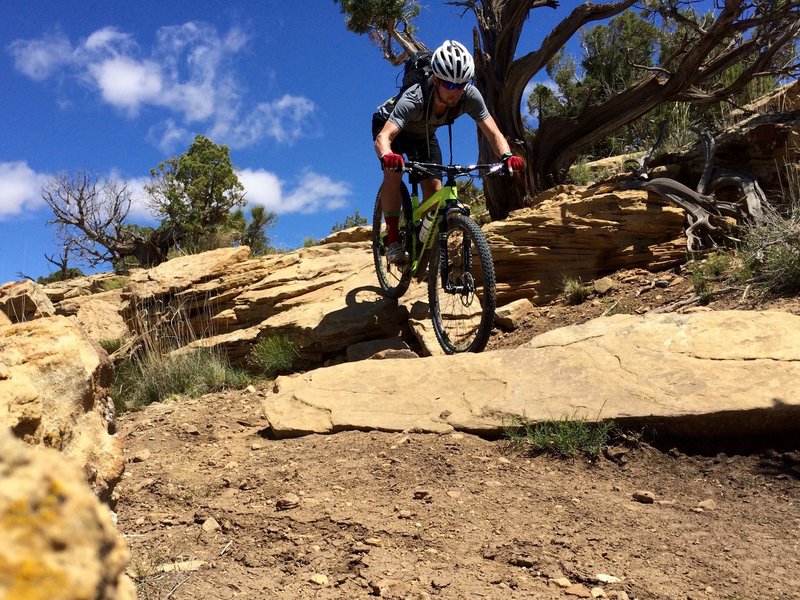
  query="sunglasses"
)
[{"x": 449, "y": 85}]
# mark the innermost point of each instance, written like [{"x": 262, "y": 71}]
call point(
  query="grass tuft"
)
[
  {"x": 273, "y": 355},
  {"x": 575, "y": 292},
  {"x": 154, "y": 377},
  {"x": 566, "y": 438}
]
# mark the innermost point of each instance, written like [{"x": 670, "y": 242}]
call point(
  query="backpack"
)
[{"x": 417, "y": 69}]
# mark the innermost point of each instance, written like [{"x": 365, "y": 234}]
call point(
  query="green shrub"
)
[
  {"x": 153, "y": 377},
  {"x": 566, "y": 438},
  {"x": 574, "y": 290},
  {"x": 273, "y": 355},
  {"x": 115, "y": 283},
  {"x": 771, "y": 250},
  {"x": 111, "y": 346},
  {"x": 354, "y": 220},
  {"x": 309, "y": 242}
]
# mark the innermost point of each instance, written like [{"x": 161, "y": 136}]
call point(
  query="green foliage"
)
[
  {"x": 366, "y": 16},
  {"x": 196, "y": 192},
  {"x": 273, "y": 355},
  {"x": 72, "y": 273},
  {"x": 574, "y": 290},
  {"x": 771, "y": 250},
  {"x": 354, "y": 220},
  {"x": 718, "y": 268},
  {"x": 580, "y": 173},
  {"x": 155, "y": 377},
  {"x": 308, "y": 242},
  {"x": 114, "y": 283},
  {"x": 255, "y": 233},
  {"x": 111, "y": 346},
  {"x": 619, "y": 54},
  {"x": 566, "y": 438}
]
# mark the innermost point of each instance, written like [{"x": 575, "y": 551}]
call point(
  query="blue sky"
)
[{"x": 115, "y": 88}]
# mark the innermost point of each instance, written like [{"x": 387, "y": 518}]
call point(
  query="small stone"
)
[
  {"x": 250, "y": 389},
  {"x": 319, "y": 578},
  {"x": 257, "y": 446},
  {"x": 603, "y": 578},
  {"x": 598, "y": 592},
  {"x": 562, "y": 582},
  {"x": 581, "y": 591},
  {"x": 644, "y": 496},
  {"x": 707, "y": 504},
  {"x": 210, "y": 525},
  {"x": 405, "y": 514},
  {"x": 604, "y": 285},
  {"x": 190, "y": 429},
  {"x": 288, "y": 502},
  {"x": 373, "y": 541},
  {"x": 618, "y": 595},
  {"x": 422, "y": 495},
  {"x": 141, "y": 456}
]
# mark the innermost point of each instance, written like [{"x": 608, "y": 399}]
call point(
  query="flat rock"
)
[{"x": 701, "y": 374}]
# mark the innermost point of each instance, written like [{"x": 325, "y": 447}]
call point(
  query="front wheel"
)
[
  {"x": 394, "y": 279},
  {"x": 461, "y": 288}
]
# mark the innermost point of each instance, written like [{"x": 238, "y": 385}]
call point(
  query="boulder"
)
[
  {"x": 59, "y": 542},
  {"x": 582, "y": 233},
  {"x": 54, "y": 392},
  {"x": 510, "y": 316},
  {"x": 99, "y": 314},
  {"x": 703, "y": 375},
  {"x": 24, "y": 301},
  {"x": 324, "y": 297}
]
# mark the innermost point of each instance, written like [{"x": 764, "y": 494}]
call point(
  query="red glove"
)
[
  {"x": 392, "y": 161},
  {"x": 513, "y": 162}
]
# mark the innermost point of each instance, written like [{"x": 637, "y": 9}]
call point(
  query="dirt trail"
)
[{"x": 412, "y": 516}]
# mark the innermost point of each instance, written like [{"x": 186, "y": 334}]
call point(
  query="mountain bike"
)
[{"x": 461, "y": 277}]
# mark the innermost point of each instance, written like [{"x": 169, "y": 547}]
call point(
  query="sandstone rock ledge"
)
[{"x": 710, "y": 374}]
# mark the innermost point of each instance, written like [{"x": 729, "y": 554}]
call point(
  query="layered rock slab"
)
[
  {"x": 724, "y": 373},
  {"x": 54, "y": 392}
]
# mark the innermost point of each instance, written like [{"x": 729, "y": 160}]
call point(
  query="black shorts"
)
[{"x": 416, "y": 149}]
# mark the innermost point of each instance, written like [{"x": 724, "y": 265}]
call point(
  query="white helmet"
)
[{"x": 452, "y": 62}]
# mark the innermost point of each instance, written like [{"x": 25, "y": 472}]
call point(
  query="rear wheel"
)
[
  {"x": 463, "y": 305},
  {"x": 394, "y": 279}
]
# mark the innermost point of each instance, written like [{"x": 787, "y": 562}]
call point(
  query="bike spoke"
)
[{"x": 462, "y": 307}]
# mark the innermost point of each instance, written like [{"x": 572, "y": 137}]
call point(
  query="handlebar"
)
[{"x": 434, "y": 169}]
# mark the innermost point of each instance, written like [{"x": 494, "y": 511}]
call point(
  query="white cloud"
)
[
  {"x": 39, "y": 59},
  {"x": 20, "y": 189},
  {"x": 190, "y": 72},
  {"x": 284, "y": 120},
  {"x": 107, "y": 38},
  {"x": 313, "y": 192},
  {"x": 127, "y": 84}
]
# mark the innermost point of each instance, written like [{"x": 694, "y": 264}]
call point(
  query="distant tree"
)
[
  {"x": 253, "y": 233},
  {"x": 61, "y": 275},
  {"x": 89, "y": 216},
  {"x": 354, "y": 220},
  {"x": 195, "y": 193},
  {"x": 759, "y": 36}
]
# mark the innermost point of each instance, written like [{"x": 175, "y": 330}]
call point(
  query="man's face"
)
[{"x": 450, "y": 97}]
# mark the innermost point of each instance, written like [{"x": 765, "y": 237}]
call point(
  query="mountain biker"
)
[{"x": 401, "y": 126}]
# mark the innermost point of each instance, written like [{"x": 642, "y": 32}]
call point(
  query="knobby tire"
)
[
  {"x": 393, "y": 280},
  {"x": 463, "y": 320}
]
